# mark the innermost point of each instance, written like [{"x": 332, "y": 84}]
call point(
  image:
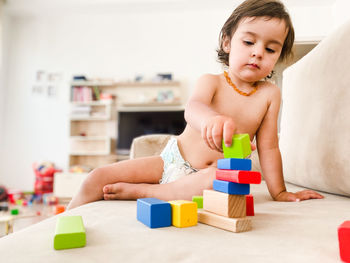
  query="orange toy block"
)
[
  {"x": 224, "y": 204},
  {"x": 241, "y": 177},
  {"x": 231, "y": 224},
  {"x": 59, "y": 209},
  {"x": 249, "y": 205}
]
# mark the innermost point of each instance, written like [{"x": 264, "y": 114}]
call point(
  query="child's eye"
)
[
  {"x": 248, "y": 43},
  {"x": 270, "y": 50}
]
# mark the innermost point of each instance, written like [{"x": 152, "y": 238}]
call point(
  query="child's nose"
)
[{"x": 257, "y": 52}]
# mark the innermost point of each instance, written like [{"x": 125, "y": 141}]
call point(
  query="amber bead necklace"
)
[{"x": 229, "y": 81}]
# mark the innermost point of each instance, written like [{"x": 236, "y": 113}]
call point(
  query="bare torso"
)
[{"x": 247, "y": 113}]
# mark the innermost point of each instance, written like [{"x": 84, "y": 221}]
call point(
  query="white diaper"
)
[{"x": 174, "y": 165}]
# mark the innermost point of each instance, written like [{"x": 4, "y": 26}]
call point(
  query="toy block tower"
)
[{"x": 228, "y": 204}]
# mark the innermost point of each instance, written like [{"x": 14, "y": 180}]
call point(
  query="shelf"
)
[
  {"x": 150, "y": 108},
  {"x": 124, "y": 84},
  {"x": 92, "y": 83},
  {"x": 90, "y": 118},
  {"x": 148, "y": 84},
  {"x": 92, "y": 103},
  {"x": 93, "y": 145}
]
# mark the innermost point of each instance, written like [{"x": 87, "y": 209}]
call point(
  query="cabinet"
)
[
  {"x": 91, "y": 121},
  {"x": 94, "y": 119}
]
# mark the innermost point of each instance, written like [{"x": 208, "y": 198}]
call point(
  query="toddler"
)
[{"x": 255, "y": 37}]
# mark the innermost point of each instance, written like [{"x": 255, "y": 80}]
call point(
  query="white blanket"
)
[{"x": 282, "y": 232}]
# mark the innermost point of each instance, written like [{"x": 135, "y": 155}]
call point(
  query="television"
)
[{"x": 132, "y": 124}]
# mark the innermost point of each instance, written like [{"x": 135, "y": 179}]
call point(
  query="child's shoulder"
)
[
  {"x": 268, "y": 86},
  {"x": 271, "y": 90},
  {"x": 210, "y": 77}
]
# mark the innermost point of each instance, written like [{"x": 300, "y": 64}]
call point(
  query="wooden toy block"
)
[
  {"x": 70, "y": 233},
  {"x": 224, "y": 204},
  {"x": 153, "y": 212},
  {"x": 344, "y": 241},
  {"x": 184, "y": 213},
  {"x": 240, "y": 147},
  {"x": 241, "y": 177},
  {"x": 231, "y": 224},
  {"x": 231, "y": 188},
  {"x": 199, "y": 200},
  {"x": 235, "y": 164},
  {"x": 249, "y": 205}
]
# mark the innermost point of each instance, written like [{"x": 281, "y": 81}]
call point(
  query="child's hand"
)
[
  {"x": 298, "y": 196},
  {"x": 217, "y": 128}
]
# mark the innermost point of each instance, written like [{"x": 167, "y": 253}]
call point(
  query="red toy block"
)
[
  {"x": 249, "y": 200},
  {"x": 241, "y": 177},
  {"x": 344, "y": 241}
]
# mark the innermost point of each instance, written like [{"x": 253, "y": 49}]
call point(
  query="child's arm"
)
[
  {"x": 270, "y": 156},
  {"x": 199, "y": 115}
]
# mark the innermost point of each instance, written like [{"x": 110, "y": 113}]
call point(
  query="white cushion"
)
[{"x": 315, "y": 123}]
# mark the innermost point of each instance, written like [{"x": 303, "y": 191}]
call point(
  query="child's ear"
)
[{"x": 226, "y": 44}]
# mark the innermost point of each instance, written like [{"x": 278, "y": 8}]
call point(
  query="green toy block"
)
[
  {"x": 70, "y": 233},
  {"x": 14, "y": 211},
  {"x": 199, "y": 200},
  {"x": 240, "y": 147}
]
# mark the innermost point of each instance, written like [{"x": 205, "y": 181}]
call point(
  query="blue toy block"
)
[
  {"x": 153, "y": 212},
  {"x": 231, "y": 188},
  {"x": 235, "y": 164}
]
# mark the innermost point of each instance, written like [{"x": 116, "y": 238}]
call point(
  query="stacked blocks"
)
[
  {"x": 344, "y": 241},
  {"x": 70, "y": 232},
  {"x": 228, "y": 204},
  {"x": 153, "y": 212},
  {"x": 156, "y": 213}
]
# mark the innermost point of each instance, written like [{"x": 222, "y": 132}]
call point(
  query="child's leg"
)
[
  {"x": 142, "y": 170},
  {"x": 183, "y": 188}
]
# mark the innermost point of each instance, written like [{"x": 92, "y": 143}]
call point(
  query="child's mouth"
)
[{"x": 253, "y": 65}]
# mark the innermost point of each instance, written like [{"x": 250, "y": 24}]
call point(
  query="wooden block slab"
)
[
  {"x": 235, "y": 164},
  {"x": 241, "y": 177},
  {"x": 231, "y": 224},
  {"x": 224, "y": 204}
]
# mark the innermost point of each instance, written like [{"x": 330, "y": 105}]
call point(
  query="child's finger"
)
[
  {"x": 253, "y": 146},
  {"x": 210, "y": 140},
  {"x": 228, "y": 132},
  {"x": 217, "y": 137}
]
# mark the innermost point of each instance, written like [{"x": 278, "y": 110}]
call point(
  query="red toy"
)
[
  {"x": 249, "y": 205},
  {"x": 241, "y": 177},
  {"x": 344, "y": 241},
  {"x": 44, "y": 177}
]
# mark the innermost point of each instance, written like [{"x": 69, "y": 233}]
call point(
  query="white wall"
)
[{"x": 119, "y": 42}]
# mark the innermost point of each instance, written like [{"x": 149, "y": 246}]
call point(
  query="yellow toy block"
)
[{"x": 184, "y": 213}]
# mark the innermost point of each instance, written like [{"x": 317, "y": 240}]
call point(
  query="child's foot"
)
[{"x": 124, "y": 191}]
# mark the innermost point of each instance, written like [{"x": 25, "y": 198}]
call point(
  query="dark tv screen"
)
[{"x": 132, "y": 124}]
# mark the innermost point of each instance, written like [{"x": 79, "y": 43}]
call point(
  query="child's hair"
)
[{"x": 257, "y": 8}]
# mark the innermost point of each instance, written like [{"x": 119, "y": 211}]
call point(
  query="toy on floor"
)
[
  {"x": 70, "y": 233},
  {"x": 184, "y": 213},
  {"x": 344, "y": 241},
  {"x": 44, "y": 173},
  {"x": 226, "y": 206},
  {"x": 153, "y": 212}
]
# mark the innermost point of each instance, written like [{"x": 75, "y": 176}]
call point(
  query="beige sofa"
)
[{"x": 315, "y": 147}]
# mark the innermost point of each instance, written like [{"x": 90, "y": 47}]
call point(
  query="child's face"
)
[{"x": 255, "y": 47}]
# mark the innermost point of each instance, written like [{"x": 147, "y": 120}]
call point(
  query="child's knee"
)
[{"x": 93, "y": 180}]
